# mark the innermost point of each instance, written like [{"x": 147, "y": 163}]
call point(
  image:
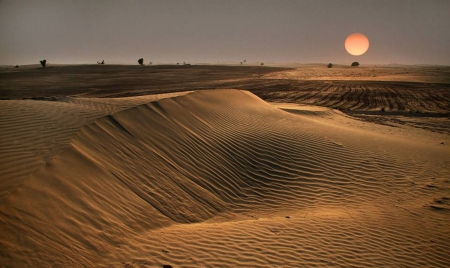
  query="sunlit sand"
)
[{"x": 236, "y": 167}]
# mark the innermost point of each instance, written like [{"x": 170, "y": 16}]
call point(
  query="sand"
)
[
  {"x": 218, "y": 178},
  {"x": 371, "y": 72}
]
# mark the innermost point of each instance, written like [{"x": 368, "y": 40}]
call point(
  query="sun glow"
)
[{"x": 356, "y": 44}]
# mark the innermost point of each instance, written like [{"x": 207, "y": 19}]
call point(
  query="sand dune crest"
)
[{"x": 159, "y": 174}]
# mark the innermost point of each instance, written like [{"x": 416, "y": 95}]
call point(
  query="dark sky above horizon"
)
[{"x": 196, "y": 31}]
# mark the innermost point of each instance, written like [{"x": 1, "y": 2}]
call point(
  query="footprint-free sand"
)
[{"x": 203, "y": 175}]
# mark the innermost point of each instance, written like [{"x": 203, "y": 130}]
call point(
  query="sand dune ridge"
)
[{"x": 159, "y": 166}]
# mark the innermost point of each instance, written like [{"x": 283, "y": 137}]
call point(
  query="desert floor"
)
[{"x": 225, "y": 166}]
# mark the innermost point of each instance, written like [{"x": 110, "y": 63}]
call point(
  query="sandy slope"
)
[{"x": 217, "y": 179}]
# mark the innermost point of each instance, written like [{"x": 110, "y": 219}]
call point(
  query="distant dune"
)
[{"x": 217, "y": 178}]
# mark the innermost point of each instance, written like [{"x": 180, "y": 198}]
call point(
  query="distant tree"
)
[
  {"x": 98, "y": 62},
  {"x": 355, "y": 64},
  {"x": 330, "y": 65},
  {"x": 103, "y": 62},
  {"x": 151, "y": 63},
  {"x": 245, "y": 60},
  {"x": 141, "y": 61},
  {"x": 43, "y": 63},
  {"x": 262, "y": 63},
  {"x": 241, "y": 62},
  {"x": 178, "y": 63},
  {"x": 17, "y": 66}
]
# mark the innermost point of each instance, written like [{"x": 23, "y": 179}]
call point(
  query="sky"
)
[{"x": 211, "y": 31}]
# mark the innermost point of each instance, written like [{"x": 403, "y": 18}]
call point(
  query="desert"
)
[{"x": 278, "y": 165}]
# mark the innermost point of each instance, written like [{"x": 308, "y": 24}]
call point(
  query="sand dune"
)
[
  {"x": 33, "y": 131},
  {"x": 216, "y": 178}
]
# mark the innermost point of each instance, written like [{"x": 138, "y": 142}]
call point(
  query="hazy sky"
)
[{"x": 305, "y": 31}]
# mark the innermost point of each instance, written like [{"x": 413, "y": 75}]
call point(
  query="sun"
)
[{"x": 356, "y": 44}]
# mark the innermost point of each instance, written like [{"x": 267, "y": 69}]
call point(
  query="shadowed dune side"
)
[{"x": 190, "y": 159}]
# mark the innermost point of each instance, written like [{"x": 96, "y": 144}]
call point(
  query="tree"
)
[
  {"x": 43, "y": 63},
  {"x": 141, "y": 61},
  {"x": 355, "y": 64},
  {"x": 103, "y": 62},
  {"x": 330, "y": 65},
  {"x": 262, "y": 63}
]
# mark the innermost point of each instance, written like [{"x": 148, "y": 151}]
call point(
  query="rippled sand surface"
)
[{"x": 217, "y": 178}]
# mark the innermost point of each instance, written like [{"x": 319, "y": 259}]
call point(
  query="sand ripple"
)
[{"x": 214, "y": 179}]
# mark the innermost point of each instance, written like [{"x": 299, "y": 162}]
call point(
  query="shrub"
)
[
  {"x": 355, "y": 64},
  {"x": 330, "y": 65},
  {"x": 43, "y": 63},
  {"x": 141, "y": 61}
]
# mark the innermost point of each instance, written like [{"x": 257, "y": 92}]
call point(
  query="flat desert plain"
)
[{"x": 225, "y": 166}]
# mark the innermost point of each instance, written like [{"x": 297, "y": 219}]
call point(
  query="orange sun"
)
[{"x": 356, "y": 44}]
